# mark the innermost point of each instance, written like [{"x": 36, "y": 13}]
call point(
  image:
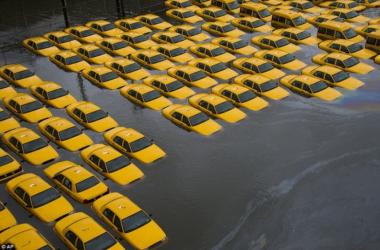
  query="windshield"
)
[
  {"x": 318, "y": 86},
  {"x": 117, "y": 163},
  {"x": 218, "y": 67},
  {"x": 349, "y": 33},
  {"x": 140, "y": 39},
  {"x": 197, "y": 76},
  {"x": 174, "y": 86},
  {"x": 340, "y": 76},
  {"x": 31, "y": 106},
  {"x": 135, "y": 221},
  {"x": 73, "y": 59},
  {"x": 107, "y": 27},
  {"x": 156, "y": 20},
  {"x": 4, "y": 115},
  {"x": 233, "y": 5},
  {"x": 157, "y": 58},
  {"x": 5, "y": 159},
  {"x": 240, "y": 44},
  {"x": 299, "y": 21},
  {"x": 136, "y": 25},
  {"x": 217, "y": 51},
  {"x": 108, "y": 76},
  {"x": 350, "y": 62},
  {"x": 56, "y": 93},
  {"x": 269, "y": 85},
  {"x": 69, "y": 133},
  {"x": 177, "y": 39},
  {"x": 140, "y": 144},
  {"x": 351, "y": 14},
  {"x": 220, "y": 13},
  {"x": 119, "y": 45},
  {"x": 185, "y": 4},
  {"x": 307, "y": 5},
  {"x": 257, "y": 23},
  {"x": 3, "y": 84},
  {"x": 264, "y": 13},
  {"x": 246, "y": 96},
  {"x": 23, "y": 74},
  {"x": 101, "y": 242},
  {"x": 44, "y": 197},
  {"x": 131, "y": 68},
  {"x": 194, "y": 31},
  {"x": 282, "y": 42},
  {"x": 65, "y": 39},
  {"x": 44, "y": 45},
  {"x": 177, "y": 52},
  {"x": 265, "y": 67},
  {"x": 287, "y": 58},
  {"x": 223, "y": 107},
  {"x": 150, "y": 96},
  {"x": 86, "y": 184},
  {"x": 95, "y": 53},
  {"x": 33, "y": 145},
  {"x": 198, "y": 119},
  {"x": 355, "y": 47},
  {"x": 87, "y": 33},
  {"x": 228, "y": 28},
  {"x": 96, "y": 115},
  {"x": 303, "y": 35},
  {"x": 188, "y": 14}
]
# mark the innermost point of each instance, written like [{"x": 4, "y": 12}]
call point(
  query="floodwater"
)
[{"x": 301, "y": 174}]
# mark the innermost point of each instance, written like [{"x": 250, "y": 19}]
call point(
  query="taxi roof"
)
[
  {"x": 186, "y": 68},
  {"x": 66, "y": 53},
  {"x": 113, "y": 40},
  {"x": 308, "y": 80},
  {"x": 123, "y": 207},
  {"x": 235, "y": 88},
  {"x": 286, "y": 13},
  {"x": 339, "y": 56},
  {"x": 129, "y": 134},
  {"x": 86, "y": 228},
  {"x": 183, "y": 26},
  {"x": 210, "y": 8},
  {"x": 277, "y": 52},
  {"x": 57, "y": 33},
  {"x": 24, "y": 236},
  {"x": 213, "y": 99},
  {"x": 336, "y": 25},
  {"x": 33, "y": 185},
  {"x": 207, "y": 61},
  {"x": 79, "y": 28},
  {"x": 87, "y": 107},
  {"x": 106, "y": 153},
  {"x": 328, "y": 69},
  {"x": 37, "y": 39},
  {"x": 254, "y": 60},
  {"x": 149, "y": 16},
  {"x": 343, "y": 42},
  {"x": 24, "y": 135},
  {"x": 167, "y": 33},
  {"x": 76, "y": 173},
  {"x": 23, "y": 98},
  {"x": 187, "y": 110},
  {"x": 254, "y": 6},
  {"x": 49, "y": 86},
  {"x": 248, "y": 18},
  {"x": 140, "y": 88},
  {"x": 164, "y": 79},
  {"x": 270, "y": 37},
  {"x": 341, "y": 10},
  {"x": 128, "y": 20},
  {"x": 228, "y": 39},
  {"x": 122, "y": 61},
  {"x": 60, "y": 124},
  {"x": 100, "y": 69},
  {"x": 167, "y": 46},
  {"x": 218, "y": 23},
  {"x": 147, "y": 52},
  {"x": 15, "y": 67},
  {"x": 257, "y": 78},
  {"x": 293, "y": 30},
  {"x": 99, "y": 22},
  {"x": 182, "y": 10},
  {"x": 88, "y": 47},
  {"x": 132, "y": 34}
]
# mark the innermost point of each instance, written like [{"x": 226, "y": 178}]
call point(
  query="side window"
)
[
  {"x": 269, "y": 57},
  {"x": 108, "y": 214},
  {"x": 79, "y": 244},
  {"x": 20, "y": 192},
  {"x": 187, "y": 77},
  {"x": 94, "y": 159},
  {"x": 235, "y": 98},
  {"x": 330, "y": 32},
  {"x": 297, "y": 84},
  {"x": 335, "y": 46},
  {"x": 330, "y": 60},
  {"x": 67, "y": 183},
  {"x": 117, "y": 224},
  {"x": 256, "y": 87},
  {"x": 126, "y": 146},
  {"x": 156, "y": 84},
  {"x": 344, "y": 49},
  {"x": 329, "y": 78},
  {"x": 319, "y": 74},
  {"x": 83, "y": 117},
  {"x": 71, "y": 237},
  {"x": 27, "y": 200},
  {"x": 179, "y": 73},
  {"x": 248, "y": 83},
  {"x": 226, "y": 93},
  {"x": 139, "y": 97},
  {"x": 118, "y": 140},
  {"x": 132, "y": 93},
  {"x": 13, "y": 141},
  {"x": 340, "y": 63},
  {"x": 306, "y": 88},
  {"x": 186, "y": 121},
  {"x": 59, "y": 177},
  {"x": 212, "y": 109},
  {"x": 77, "y": 112},
  {"x": 203, "y": 104},
  {"x": 102, "y": 165},
  {"x": 55, "y": 134},
  {"x": 177, "y": 116}
]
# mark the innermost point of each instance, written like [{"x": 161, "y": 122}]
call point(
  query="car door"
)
[
  {"x": 118, "y": 142},
  {"x": 177, "y": 118},
  {"x": 19, "y": 195},
  {"x": 94, "y": 159},
  {"x": 203, "y": 105}
]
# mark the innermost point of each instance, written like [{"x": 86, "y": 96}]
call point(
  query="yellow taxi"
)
[
  {"x": 153, "y": 21},
  {"x": 318, "y": 19},
  {"x": 262, "y": 86},
  {"x": 93, "y": 54},
  {"x": 83, "y": 34},
  {"x": 348, "y": 15},
  {"x": 104, "y": 28},
  {"x": 6, "y": 89},
  {"x": 210, "y": 50},
  {"x": 310, "y": 86},
  {"x": 344, "y": 62},
  {"x": 137, "y": 40},
  {"x": 256, "y": 65},
  {"x": 240, "y": 96},
  {"x": 116, "y": 46},
  {"x": 364, "y": 30},
  {"x": 235, "y": 45},
  {"x": 52, "y": 94},
  {"x": 127, "y": 69},
  {"x": 274, "y": 42},
  {"x": 281, "y": 59},
  {"x": 222, "y": 29},
  {"x": 38, "y": 197},
  {"x": 251, "y": 24},
  {"x": 173, "y": 52},
  {"x": 331, "y": 30},
  {"x": 214, "y": 68},
  {"x": 130, "y": 24},
  {"x": 374, "y": 21},
  {"x": 69, "y": 61},
  {"x": 145, "y": 96},
  {"x": 40, "y": 46},
  {"x": 297, "y": 36},
  {"x": 179, "y": 4},
  {"x": 191, "y": 119},
  {"x": 9, "y": 168},
  {"x": 257, "y": 10},
  {"x": 333, "y": 76},
  {"x": 377, "y": 59},
  {"x": 192, "y": 76},
  {"x": 343, "y": 4},
  {"x": 76, "y": 181},
  {"x": 369, "y": 3},
  {"x": 288, "y": 18},
  {"x": 91, "y": 116},
  {"x": 131, "y": 222},
  {"x": 172, "y": 38},
  {"x": 26, "y": 107},
  {"x": 62, "y": 40},
  {"x": 347, "y": 47},
  {"x": 104, "y": 77},
  {"x": 111, "y": 164},
  {"x": 373, "y": 41},
  {"x": 80, "y": 231},
  {"x": 19, "y": 75},
  {"x": 214, "y": 14},
  {"x": 24, "y": 236},
  {"x": 134, "y": 144},
  {"x": 271, "y": 2},
  {"x": 192, "y": 33},
  {"x": 7, "y": 220},
  {"x": 152, "y": 59},
  {"x": 216, "y": 106},
  {"x": 231, "y": 6},
  {"x": 29, "y": 146},
  {"x": 64, "y": 133},
  {"x": 168, "y": 86},
  {"x": 202, "y": 3},
  {"x": 282, "y": 7},
  {"x": 7, "y": 122},
  {"x": 185, "y": 15},
  {"x": 305, "y": 6}
]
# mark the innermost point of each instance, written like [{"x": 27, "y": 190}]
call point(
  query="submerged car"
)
[
  {"x": 347, "y": 47},
  {"x": 62, "y": 40},
  {"x": 251, "y": 24},
  {"x": 9, "y": 168},
  {"x": 52, "y": 94},
  {"x": 40, "y": 46},
  {"x": 173, "y": 52},
  {"x": 274, "y": 42},
  {"x": 130, "y": 24},
  {"x": 152, "y": 59},
  {"x": 210, "y": 50},
  {"x": 104, "y": 28},
  {"x": 93, "y": 54},
  {"x": 222, "y": 29},
  {"x": 7, "y": 122},
  {"x": 127, "y": 69},
  {"x": 281, "y": 59},
  {"x": 192, "y": 76},
  {"x": 256, "y": 65},
  {"x": 191, "y": 32},
  {"x": 137, "y": 40},
  {"x": 104, "y": 77},
  {"x": 19, "y": 75},
  {"x": 168, "y": 37},
  {"x": 153, "y": 21},
  {"x": 69, "y": 61},
  {"x": 235, "y": 45},
  {"x": 185, "y": 15},
  {"x": 168, "y": 86},
  {"x": 297, "y": 36},
  {"x": 214, "y": 68},
  {"x": 83, "y": 34},
  {"x": 115, "y": 46}
]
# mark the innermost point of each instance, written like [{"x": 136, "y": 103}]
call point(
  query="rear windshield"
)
[
  {"x": 220, "y": 13},
  {"x": 157, "y": 58},
  {"x": 131, "y": 68},
  {"x": 150, "y": 96},
  {"x": 246, "y": 96},
  {"x": 282, "y": 42},
  {"x": 23, "y": 74},
  {"x": 119, "y": 45},
  {"x": 188, "y": 14},
  {"x": 4, "y": 115},
  {"x": 44, "y": 197},
  {"x": 351, "y": 14},
  {"x": 194, "y": 31},
  {"x": 69, "y": 133},
  {"x": 340, "y": 76},
  {"x": 351, "y": 62},
  {"x": 178, "y": 39},
  {"x": 318, "y": 86},
  {"x": 265, "y": 67},
  {"x": 303, "y": 35},
  {"x": 349, "y": 33},
  {"x": 107, "y": 27},
  {"x": 218, "y": 67},
  {"x": 101, "y": 242},
  {"x": 87, "y": 33},
  {"x": 156, "y": 20},
  {"x": 269, "y": 85},
  {"x": 44, "y": 45},
  {"x": 3, "y": 84},
  {"x": 177, "y": 51},
  {"x": 33, "y": 145},
  {"x": 174, "y": 86},
  {"x": 217, "y": 51},
  {"x": 197, "y": 76},
  {"x": 96, "y": 52},
  {"x": 96, "y": 115},
  {"x": 86, "y": 184},
  {"x": 65, "y": 39},
  {"x": 57, "y": 93},
  {"x": 31, "y": 106},
  {"x": 73, "y": 59},
  {"x": 5, "y": 159},
  {"x": 355, "y": 47},
  {"x": 228, "y": 27},
  {"x": 117, "y": 163},
  {"x": 223, "y": 107},
  {"x": 198, "y": 119},
  {"x": 299, "y": 20},
  {"x": 257, "y": 23},
  {"x": 240, "y": 44},
  {"x": 135, "y": 221},
  {"x": 287, "y": 58},
  {"x": 140, "y": 144},
  {"x": 136, "y": 25},
  {"x": 264, "y": 13},
  {"x": 108, "y": 76},
  {"x": 139, "y": 39}
]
